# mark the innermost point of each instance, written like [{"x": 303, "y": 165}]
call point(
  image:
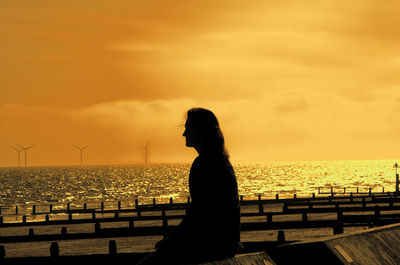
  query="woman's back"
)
[{"x": 214, "y": 210}]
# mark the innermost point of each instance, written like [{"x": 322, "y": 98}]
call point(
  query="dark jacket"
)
[
  {"x": 212, "y": 223},
  {"x": 211, "y": 228}
]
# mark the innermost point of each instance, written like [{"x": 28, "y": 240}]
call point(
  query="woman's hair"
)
[{"x": 207, "y": 125}]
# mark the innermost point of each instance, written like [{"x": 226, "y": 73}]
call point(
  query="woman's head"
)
[{"x": 202, "y": 132}]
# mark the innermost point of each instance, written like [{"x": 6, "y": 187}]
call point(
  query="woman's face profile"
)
[{"x": 191, "y": 134}]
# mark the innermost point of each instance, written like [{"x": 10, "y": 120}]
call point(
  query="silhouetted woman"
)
[{"x": 211, "y": 227}]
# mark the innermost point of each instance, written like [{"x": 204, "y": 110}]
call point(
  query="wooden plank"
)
[{"x": 260, "y": 258}]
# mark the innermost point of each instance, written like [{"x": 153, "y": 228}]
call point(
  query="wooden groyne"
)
[
  {"x": 340, "y": 211},
  {"x": 363, "y": 210}
]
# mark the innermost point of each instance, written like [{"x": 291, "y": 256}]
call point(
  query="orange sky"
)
[{"x": 289, "y": 80}]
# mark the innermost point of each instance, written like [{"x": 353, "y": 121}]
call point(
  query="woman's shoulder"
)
[{"x": 210, "y": 162}]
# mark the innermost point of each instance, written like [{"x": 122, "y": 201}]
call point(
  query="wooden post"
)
[
  {"x": 154, "y": 201},
  {"x": 47, "y": 218},
  {"x": 357, "y": 190},
  {"x": 131, "y": 225},
  {"x": 397, "y": 183},
  {"x": 260, "y": 208},
  {"x": 171, "y": 201},
  {"x": 85, "y": 206},
  {"x": 304, "y": 218},
  {"x": 370, "y": 191},
  {"x": 93, "y": 215},
  {"x": 31, "y": 232},
  {"x": 344, "y": 190},
  {"x": 281, "y": 236},
  {"x": 97, "y": 228},
  {"x": 332, "y": 191},
  {"x": 68, "y": 207},
  {"x": 136, "y": 203},
  {"x": 54, "y": 250},
  {"x": 33, "y": 209},
  {"x": 295, "y": 196},
  {"x": 0, "y": 209},
  {"x": 119, "y": 205},
  {"x": 319, "y": 190},
  {"x": 164, "y": 220},
  {"x": 24, "y": 219},
  {"x": 377, "y": 214},
  {"x": 70, "y": 216},
  {"x": 2, "y": 252},
  {"x": 102, "y": 206},
  {"x": 277, "y": 196},
  {"x": 338, "y": 228},
  {"x": 351, "y": 196},
  {"x": 259, "y": 197},
  {"x": 139, "y": 213},
  {"x": 313, "y": 195},
  {"x": 269, "y": 218},
  {"x": 63, "y": 231},
  {"x": 340, "y": 215},
  {"x": 112, "y": 248},
  {"x": 16, "y": 209},
  {"x": 51, "y": 208}
]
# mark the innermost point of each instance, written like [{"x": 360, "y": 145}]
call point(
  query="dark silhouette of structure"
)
[
  {"x": 25, "y": 148},
  {"x": 211, "y": 228},
  {"x": 81, "y": 150},
  {"x": 396, "y": 166},
  {"x": 18, "y": 151},
  {"x": 146, "y": 153}
]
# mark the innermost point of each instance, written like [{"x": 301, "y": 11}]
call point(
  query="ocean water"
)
[{"x": 76, "y": 184}]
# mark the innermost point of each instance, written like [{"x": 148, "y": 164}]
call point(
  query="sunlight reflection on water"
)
[{"x": 43, "y": 185}]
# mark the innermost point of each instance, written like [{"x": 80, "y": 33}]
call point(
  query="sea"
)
[{"x": 27, "y": 186}]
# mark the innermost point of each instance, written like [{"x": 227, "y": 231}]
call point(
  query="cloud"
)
[
  {"x": 256, "y": 128},
  {"x": 78, "y": 54},
  {"x": 292, "y": 105}
]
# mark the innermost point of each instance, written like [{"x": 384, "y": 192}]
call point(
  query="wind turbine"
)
[
  {"x": 25, "y": 148},
  {"x": 81, "y": 149},
  {"x": 18, "y": 151},
  {"x": 146, "y": 152}
]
